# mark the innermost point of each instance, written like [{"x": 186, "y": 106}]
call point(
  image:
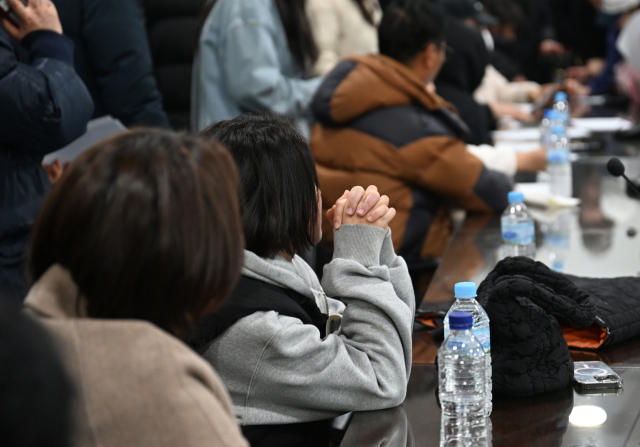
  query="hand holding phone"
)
[{"x": 19, "y": 18}]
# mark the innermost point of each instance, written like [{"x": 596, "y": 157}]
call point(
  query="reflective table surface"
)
[
  {"x": 565, "y": 418},
  {"x": 600, "y": 238}
]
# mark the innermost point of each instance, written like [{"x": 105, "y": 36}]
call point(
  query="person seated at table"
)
[
  {"x": 273, "y": 343},
  {"x": 378, "y": 124},
  {"x": 139, "y": 238}
]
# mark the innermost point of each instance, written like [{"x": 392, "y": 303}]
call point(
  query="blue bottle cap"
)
[
  {"x": 460, "y": 321},
  {"x": 515, "y": 197},
  {"x": 466, "y": 290},
  {"x": 560, "y": 96}
]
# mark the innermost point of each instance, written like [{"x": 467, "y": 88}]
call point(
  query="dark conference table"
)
[{"x": 600, "y": 238}]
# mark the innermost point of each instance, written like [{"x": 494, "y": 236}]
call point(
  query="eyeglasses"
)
[{"x": 446, "y": 48}]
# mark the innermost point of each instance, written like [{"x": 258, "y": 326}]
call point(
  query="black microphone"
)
[{"x": 616, "y": 168}]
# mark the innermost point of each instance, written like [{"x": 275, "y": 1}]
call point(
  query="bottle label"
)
[
  {"x": 558, "y": 156},
  {"x": 484, "y": 336},
  {"x": 519, "y": 234}
]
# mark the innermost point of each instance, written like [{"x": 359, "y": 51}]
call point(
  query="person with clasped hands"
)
[{"x": 43, "y": 106}]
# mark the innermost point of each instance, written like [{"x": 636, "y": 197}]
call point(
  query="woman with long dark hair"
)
[
  {"x": 253, "y": 55},
  {"x": 342, "y": 28}
]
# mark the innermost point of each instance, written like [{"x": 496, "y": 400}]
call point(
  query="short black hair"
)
[
  {"x": 148, "y": 224},
  {"x": 408, "y": 27},
  {"x": 37, "y": 393},
  {"x": 278, "y": 181}
]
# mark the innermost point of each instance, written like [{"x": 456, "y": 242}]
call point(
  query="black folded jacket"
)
[
  {"x": 617, "y": 302},
  {"x": 525, "y": 301}
]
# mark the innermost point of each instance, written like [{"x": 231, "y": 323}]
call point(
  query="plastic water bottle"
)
[
  {"x": 549, "y": 120},
  {"x": 518, "y": 229},
  {"x": 465, "y": 293},
  {"x": 561, "y": 106},
  {"x": 557, "y": 240},
  {"x": 559, "y": 163},
  {"x": 461, "y": 385}
]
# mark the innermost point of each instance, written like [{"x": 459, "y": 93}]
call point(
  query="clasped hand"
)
[{"x": 362, "y": 207}]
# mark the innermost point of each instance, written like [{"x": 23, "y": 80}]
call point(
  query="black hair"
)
[
  {"x": 278, "y": 181},
  {"x": 297, "y": 27},
  {"x": 408, "y": 27},
  {"x": 37, "y": 393}
]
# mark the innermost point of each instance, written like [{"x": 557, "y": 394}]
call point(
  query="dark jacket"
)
[
  {"x": 536, "y": 27},
  {"x": 172, "y": 26},
  {"x": 379, "y": 126},
  {"x": 43, "y": 106},
  {"x": 461, "y": 75},
  {"x": 113, "y": 59}
]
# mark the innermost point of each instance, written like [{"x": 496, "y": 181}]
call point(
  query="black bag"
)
[{"x": 525, "y": 300}]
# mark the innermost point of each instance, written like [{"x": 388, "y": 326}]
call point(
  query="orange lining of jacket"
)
[{"x": 591, "y": 337}]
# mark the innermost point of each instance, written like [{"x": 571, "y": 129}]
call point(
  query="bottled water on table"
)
[
  {"x": 561, "y": 106},
  {"x": 518, "y": 229},
  {"x": 559, "y": 163},
  {"x": 461, "y": 385},
  {"x": 465, "y": 293},
  {"x": 549, "y": 120}
]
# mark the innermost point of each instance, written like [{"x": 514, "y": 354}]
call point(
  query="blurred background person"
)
[
  {"x": 113, "y": 59},
  {"x": 44, "y": 106},
  {"x": 37, "y": 393},
  {"x": 378, "y": 124},
  {"x": 342, "y": 28},
  {"x": 580, "y": 29},
  {"x": 615, "y": 14},
  {"x": 140, "y": 238},
  {"x": 537, "y": 42},
  {"x": 254, "y": 55}
]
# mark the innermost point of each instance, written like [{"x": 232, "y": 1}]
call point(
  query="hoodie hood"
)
[
  {"x": 295, "y": 275},
  {"x": 465, "y": 67},
  {"x": 363, "y": 84}
]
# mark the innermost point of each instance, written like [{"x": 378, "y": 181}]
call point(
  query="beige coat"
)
[
  {"x": 341, "y": 30},
  {"x": 136, "y": 384}
]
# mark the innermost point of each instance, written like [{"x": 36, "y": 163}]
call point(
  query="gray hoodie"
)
[{"x": 279, "y": 370}]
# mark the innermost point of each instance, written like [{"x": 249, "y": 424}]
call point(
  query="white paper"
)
[
  {"x": 538, "y": 194},
  {"x": 602, "y": 124},
  {"x": 98, "y": 130},
  {"x": 533, "y": 134}
]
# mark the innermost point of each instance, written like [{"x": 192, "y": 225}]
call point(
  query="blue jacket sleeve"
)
[
  {"x": 116, "y": 40},
  {"x": 45, "y": 105},
  {"x": 254, "y": 76}
]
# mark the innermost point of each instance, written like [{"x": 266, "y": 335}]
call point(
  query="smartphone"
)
[
  {"x": 595, "y": 376},
  {"x": 5, "y": 11}
]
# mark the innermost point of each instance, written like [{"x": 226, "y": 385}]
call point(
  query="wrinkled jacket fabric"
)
[
  {"x": 43, "y": 106},
  {"x": 377, "y": 125},
  {"x": 527, "y": 303}
]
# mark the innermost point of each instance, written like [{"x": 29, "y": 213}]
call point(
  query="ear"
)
[{"x": 430, "y": 56}]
